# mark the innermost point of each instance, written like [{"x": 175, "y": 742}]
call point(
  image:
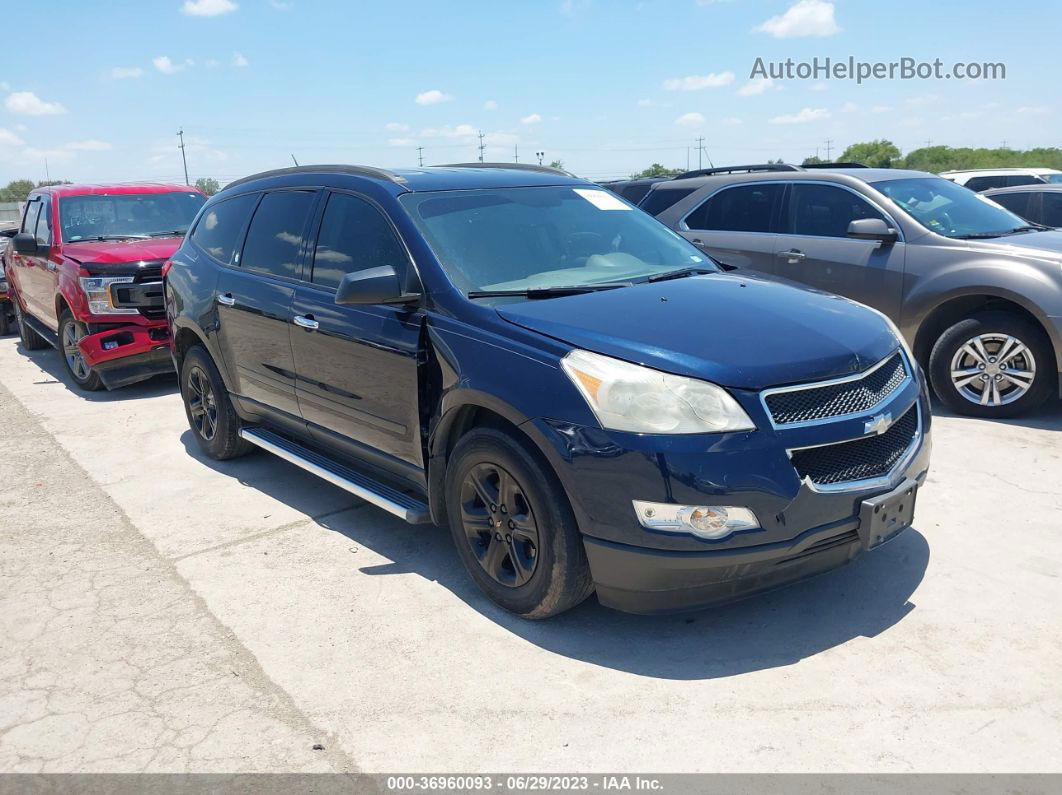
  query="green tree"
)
[
  {"x": 557, "y": 164},
  {"x": 657, "y": 170},
  {"x": 814, "y": 160},
  {"x": 876, "y": 154},
  {"x": 208, "y": 185},
  {"x": 16, "y": 190}
]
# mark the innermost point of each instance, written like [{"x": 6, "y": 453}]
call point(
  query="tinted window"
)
[
  {"x": 656, "y": 201},
  {"x": 276, "y": 233},
  {"x": 984, "y": 183},
  {"x": 1015, "y": 202},
  {"x": 747, "y": 208},
  {"x": 634, "y": 193},
  {"x": 826, "y": 211},
  {"x": 1052, "y": 211},
  {"x": 29, "y": 220},
  {"x": 218, "y": 231},
  {"x": 354, "y": 236},
  {"x": 1023, "y": 179},
  {"x": 44, "y": 224}
]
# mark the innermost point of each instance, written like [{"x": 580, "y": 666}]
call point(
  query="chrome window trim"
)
[
  {"x": 832, "y": 382},
  {"x": 885, "y": 480}
]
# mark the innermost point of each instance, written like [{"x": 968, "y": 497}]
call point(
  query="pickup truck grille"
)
[
  {"x": 861, "y": 459},
  {"x": 812, "y": 403}
]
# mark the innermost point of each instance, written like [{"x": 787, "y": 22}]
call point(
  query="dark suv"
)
[{"x": 575, "y": 391}]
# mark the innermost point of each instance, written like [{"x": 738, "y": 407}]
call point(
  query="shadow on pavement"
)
[
  {"x": 51, "y": 362},
  {"x": 1046, "y": 418}
]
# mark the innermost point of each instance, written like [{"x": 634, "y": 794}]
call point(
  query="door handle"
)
[
  {"x": 306, "y": 321},
  {"x": 226, "y": 300},
  {"x": 793, "y": 255}
]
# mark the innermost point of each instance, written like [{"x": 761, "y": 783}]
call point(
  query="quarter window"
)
[
  {"x": 826, "y": 210},
  {"x": 354, "y": 236},
  {"x": 276, "y": 234},
  {"x": 746, "y": 208},
  {"x": 218, "y": 230}
]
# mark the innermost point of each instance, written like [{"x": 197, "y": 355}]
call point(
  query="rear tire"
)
[
  {"x": 513, "y": 526},
  {"x": 211, "y": 416},
  {"x": 70, "y": 331},
  {"x": 31, "y": 340},
  {"x": 997, "y": 353}
]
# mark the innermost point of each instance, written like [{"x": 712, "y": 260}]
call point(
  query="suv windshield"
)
[
  {"x": 949, "y": 209},
  {"x": 517, "y": 239},
  {"x": 127, "y": 215}
]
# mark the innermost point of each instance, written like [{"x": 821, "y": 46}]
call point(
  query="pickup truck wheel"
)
[
  {"x": 993, "y": 365},
  {"x": 213, "y": 420},
  {"x": 70, "y": 333},
  {"x": 513, "y": 527},
  {"x": 31, "y": 340}
]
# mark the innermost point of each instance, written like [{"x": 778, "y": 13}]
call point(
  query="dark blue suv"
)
[{"x": 585, "y": 399}]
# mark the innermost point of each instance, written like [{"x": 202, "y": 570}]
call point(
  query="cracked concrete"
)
[{"x": 160, "y": 611}]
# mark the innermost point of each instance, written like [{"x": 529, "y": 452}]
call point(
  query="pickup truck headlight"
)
[
  {"x": 629, "y": 397},
  {"x": 97, "y": 290}
]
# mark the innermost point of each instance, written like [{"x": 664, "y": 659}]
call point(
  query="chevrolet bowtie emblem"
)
[{"x": 878, "y": 425}]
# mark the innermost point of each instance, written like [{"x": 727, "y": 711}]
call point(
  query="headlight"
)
[
  {"x": 98, "y": 292},
  {"x": 628, "y": 397}
]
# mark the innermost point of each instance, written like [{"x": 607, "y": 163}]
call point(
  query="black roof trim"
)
[
  {"x": 707, "y": 172},
  {"x": 512, "y": 166},
  {"x": 360, "y": 171},
  {"x": 835, "y": 165}
]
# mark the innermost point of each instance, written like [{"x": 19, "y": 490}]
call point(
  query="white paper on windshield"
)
[{"x": 602, "y": 199}]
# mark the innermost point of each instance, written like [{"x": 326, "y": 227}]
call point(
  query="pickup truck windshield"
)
[
  {"x": 518, "y": 239},
  {"x": 127, "y": 215},
  {"x": 949, "y": 209}
]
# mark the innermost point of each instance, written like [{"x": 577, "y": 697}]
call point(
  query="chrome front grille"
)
[{"x": 827, "y": 400}]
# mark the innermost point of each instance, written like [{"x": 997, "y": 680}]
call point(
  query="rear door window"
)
[
  {"x": 745, "y": 208},
  {"x": 1017, "y": 203},
  {"x": 277, "y": 232},
  {"x": 1052, "y": 209},
  {"x": 218, "y": 230},
  {"x": 826, "y": 210},
  {"x": 984, "y": 183},
  {"x": 354, "y": 236},
  {"x": 1023, "y": 179},
  {"x": 656, "y": 201}
]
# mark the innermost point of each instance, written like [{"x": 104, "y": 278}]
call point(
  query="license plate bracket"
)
[{"x": 884, "y": 516}]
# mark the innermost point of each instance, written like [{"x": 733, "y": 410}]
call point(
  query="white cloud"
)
[
  {"x": 125, "y": 72},
  {"x": 52, "y": 155},
  {"x": 818, "y": 87},
  {"x": 1036, "y": 109},
  {"x": 490, "y": 104},
  {"x": 401, "y": 142},
  {"x": 757, "y": 86},
  {"x": 804, "y": 116},
  {"x": 238, "y": 59},
  {"x": 166, "y": 66},
  {"x": 731, "y": 121},
  {"x": 9, "y": 139},
  {"x": 690, "y": 120},
  {"x": 208, "y": 8},
  {"x": 432, "y": 97},
  {"x": 532, "y": 118},
  {"x": 460, "y": 131},
  {"x": 805, "y": 18},
  {"x": 396, "y": 127},
  {"x": 922, "y": 101},
  {"x": 881, "y": 109},
  {"x": 697, "y": 82},
  {"x": 91, "y": 145},
  {"x": 570, "y": 8},
  {"x": 210, "y": 63},
  {"x": 29, "y": 104},
  {"x": 849, "y": 107},
  {"x": 280, "y": 5}
]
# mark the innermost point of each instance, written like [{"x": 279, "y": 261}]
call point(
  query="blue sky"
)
[{"x": 606, "y": 86}]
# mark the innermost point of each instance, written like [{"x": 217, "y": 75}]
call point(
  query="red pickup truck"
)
[{"x": 85, "y": 276}]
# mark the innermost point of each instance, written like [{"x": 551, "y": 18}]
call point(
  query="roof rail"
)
[
  {"x": 835, "y": 165},
  {"x": 705, "y": 172},
  {"x": 361, "y": 171},
  {"x": 515, "y": 166}
]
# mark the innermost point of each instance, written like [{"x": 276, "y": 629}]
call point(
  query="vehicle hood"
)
[
  {"x": 738, "y": 331},
  {"x": 115, "y": 252},
  {"x": 1039, "y": 245}
]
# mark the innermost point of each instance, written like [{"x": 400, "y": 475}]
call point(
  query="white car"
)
[{"x": 984, "y": 178}]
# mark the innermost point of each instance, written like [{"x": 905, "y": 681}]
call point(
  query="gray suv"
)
[{"x": 975, "y": 289}]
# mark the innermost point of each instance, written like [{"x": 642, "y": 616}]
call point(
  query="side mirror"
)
[
  {"x": 373, "y": 286},
  {"x": 873, "y": 229},
  {"x": 25, "y": 243}
]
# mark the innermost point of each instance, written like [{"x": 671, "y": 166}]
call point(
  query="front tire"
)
[
  {"x": 70, "y": 333},
  {"x": 30, "y": 339},
  {"x": 211, "y": 416},
  {"x": 513, "y": 526},
  {"x": 993, "y": 365}
]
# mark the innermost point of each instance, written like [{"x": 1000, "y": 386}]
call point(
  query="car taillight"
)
[{"x": 166, "y": 267}]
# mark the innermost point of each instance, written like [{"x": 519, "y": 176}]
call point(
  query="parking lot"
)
[{"x": 161, "y": 611}]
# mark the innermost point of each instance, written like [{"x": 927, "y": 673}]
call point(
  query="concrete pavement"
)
[{"x": 168, "y": 612}]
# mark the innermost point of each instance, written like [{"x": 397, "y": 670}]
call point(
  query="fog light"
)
[{"x": 704, "y": 521}]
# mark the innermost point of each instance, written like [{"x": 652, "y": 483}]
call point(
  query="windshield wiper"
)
[
  {"x": 679, "y": 274},
  {"x": 1029, "y": 228},
  {"x": 169, "y": 233},
  {"x": 550, "y": 292},
  {"x": 83, "y": 238}
]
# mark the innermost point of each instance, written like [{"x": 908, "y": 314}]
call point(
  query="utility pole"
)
[
  {"x": 687, "y": 158},
  {"x": 929, "y": 142},
  {"x": 293, "y": 160},
  {"x": 540, "y": 155},
  {"x": 829, "y": 148},
  {"x": 482, "y": 146},
  {"x": 47, "y": 174},
  {"x": 420, "y": 156},
  {"x": 180, "y": 136},
  {"x": 700, "y": 149},
  {"x": 516, "y": 153}
]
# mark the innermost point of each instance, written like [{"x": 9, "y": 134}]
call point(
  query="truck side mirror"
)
[{"x": 24, "y": 243}]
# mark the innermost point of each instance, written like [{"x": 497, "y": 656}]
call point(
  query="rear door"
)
[
  {"x": 254, "y": 297},
  {"x": 814, "y": 247},
  {"x": 357, "y": 365},
  {"x": 735, "y": 225}
]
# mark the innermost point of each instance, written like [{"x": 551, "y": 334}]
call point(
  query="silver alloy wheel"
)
[
  {"x": 993, "y": 369},
  {"x": 72, "y": 333}
]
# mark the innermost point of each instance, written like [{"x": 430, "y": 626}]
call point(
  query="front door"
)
[{"x": 37, "y": 277}]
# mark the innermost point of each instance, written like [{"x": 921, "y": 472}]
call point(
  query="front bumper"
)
[{"x": 123, "y": 355}]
